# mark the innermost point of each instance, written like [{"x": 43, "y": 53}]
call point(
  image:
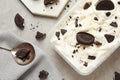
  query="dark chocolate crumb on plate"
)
[
  {"x": 23, "y": 54},
  {"x": 91, "y": 57},
  {"x": 109, "y": 37},
  {"x": 58, "y": 35},
  {"x": 63, "y": 31},
  {"x": 43, "y": 74},
  {"x": 40, "y": 36},
  {"x": 108, "y": 14},
  {"x": 87, "y": 5},
  {"x": 117, "y": 76},
  {"x": 19, "y": 21},
  {"x": 48, "y": 2},
  {"x": 114, "y": 24},
  {"x": 105, "y": 5},
  {"x": 85, "y": 38}
]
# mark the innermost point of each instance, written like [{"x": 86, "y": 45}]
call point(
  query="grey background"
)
[{"x": 8, "y": 10}]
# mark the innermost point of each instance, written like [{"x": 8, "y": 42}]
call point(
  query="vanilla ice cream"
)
[{"x": 89, "y": 34}]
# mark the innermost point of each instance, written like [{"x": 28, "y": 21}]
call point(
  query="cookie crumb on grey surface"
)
[
  {"x": 43, "y": 75},
  {"x": 117, "y": 76},
  {"x": 19, "y": 21},
  {"x": 40, "y": 36}
]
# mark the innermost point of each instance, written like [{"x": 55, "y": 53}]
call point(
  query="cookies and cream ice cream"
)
[{"x": 89, "y": 34}]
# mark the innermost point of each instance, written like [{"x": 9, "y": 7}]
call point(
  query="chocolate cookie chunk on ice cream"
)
[{"x": 91, "y": 34}]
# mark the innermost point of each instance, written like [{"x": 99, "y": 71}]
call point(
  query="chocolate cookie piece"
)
[
  {"x": 76, "y": 22},
  {"x": 109, "y": 37},
  {"x": 63, "y": 31},
  {"x": 23, "y": 54},
  {"x": 108, "y": 14},
  {"x": 48, "y": 2},
  {"x": 114, "y": 24},
  {"x": 19, "y": 21},
  {"x": 43, "y": 74},
  {"x": 119, "y": 2},
  {"x": 58, "y": 35},
  {"x": 95, "y": 18},
  {"x": 105, "y": 5},
  {"x": 117, "y": 76},
  {"x": 116, "y": 17},
  {"x": 87, "y": 5},
  {"x": 97, "y": 43},
  {"x": 40, "y": 36},
  {"x": 85, "y": 38}
]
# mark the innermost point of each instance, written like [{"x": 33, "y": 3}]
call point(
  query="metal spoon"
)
[{"x": 16, "y": 52}]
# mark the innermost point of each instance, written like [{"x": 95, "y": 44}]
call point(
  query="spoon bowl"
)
[{"x": 23, "y": 53}]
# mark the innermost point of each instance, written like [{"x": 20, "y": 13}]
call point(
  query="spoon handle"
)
[{"x": 5, "y": 48}]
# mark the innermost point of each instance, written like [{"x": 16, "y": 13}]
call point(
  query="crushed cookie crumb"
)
[
  {"x": 43, "y": 74},
  {"x": 87, "y": 5},
  {"x": 85, "y": 64},
  {"x": 100, "y": 29},
  {"x": 97, "y": 43},
  {"x": 115, "y": 17},
  {"x": 91, "y": 57},
  {"x": 119, "y": 2},
  {"x": 70, "y": 17},
  {"x": 114, "y": 24},
  {"x": 40, "y": 36},
  {"x": 76, "y": 22},
  {"x": 58, "y": 35},
  {"x": 108, "y": 14},
  {"x": 95, "y": 18}
]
